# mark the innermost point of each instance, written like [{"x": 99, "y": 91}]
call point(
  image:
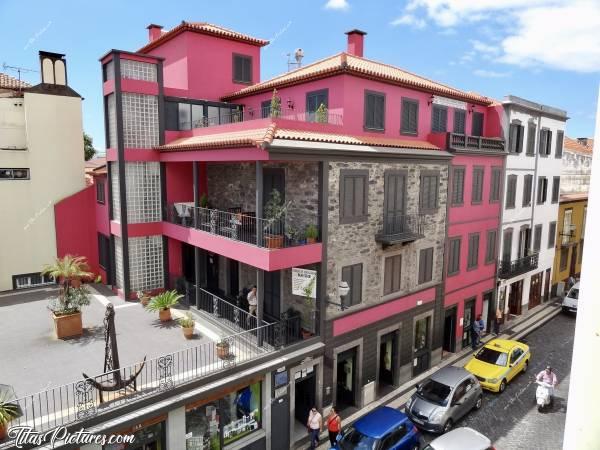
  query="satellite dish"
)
[{"x": 299, "y": 54}]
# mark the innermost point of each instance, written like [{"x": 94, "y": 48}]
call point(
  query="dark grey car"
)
[{"x": 442, "y": 399}]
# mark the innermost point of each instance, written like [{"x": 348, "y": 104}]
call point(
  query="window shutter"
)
[
  {"x": 511, "y": 191},
  {"x": 537, "y": 239},
  {"x": 555, "y": 189},
  {"x": 453, "y": 256},
  {"x": 507, "y": 246},
  {"x": 425, "y": 265},
  {"x": 356, "y": 285},
  {"x": 521, "y": 131},
  {"x": 559, "y": 143},
  {"x": 495, "y": 188},
  {"x": 413, "y": 120},
  {"x": 477, "y": 185},
  {"x": 527, "y": 190},
  {"x": 458, "y": 181},
  {"x": 405, "y": 125},
  {"x": 549, "y": 142},
  {"x": 477, "y": 129},
  {"x": 543, "y": 141},
  {"x": 490, "y": 253},
  {"x": 531, "y": 139},
  {"x": 459, "y": 121},
  {"x": 551, "y": 234},
  {"x": 473, "y": 254}
]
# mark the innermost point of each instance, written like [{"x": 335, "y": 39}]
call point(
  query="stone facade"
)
[
  {"x": 355, "y": 243},
  {"x": 576, "y": 172}
]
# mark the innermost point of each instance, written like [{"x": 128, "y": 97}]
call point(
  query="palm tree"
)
[{"x": 66, "y": 269}]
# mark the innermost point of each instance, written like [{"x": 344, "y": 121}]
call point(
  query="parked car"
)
[
  {"x": 461, "y": 439},
  {"x": 443, "y": 399},
  {"x": 569, "y": 303},
  {"x": 384, "y": 428},
  {"x": 498, "y": 362}
]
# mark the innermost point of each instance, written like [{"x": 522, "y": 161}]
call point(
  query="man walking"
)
[
  {"x": 252, "y": 303},
  {"x": 314, "y": 425},
  {"x": 497, "y": 321},
  {"x": 480, "y": 328}
]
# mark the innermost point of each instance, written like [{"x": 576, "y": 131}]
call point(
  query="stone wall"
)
[
  {"x": 575, "y": 173},
  {"x": 355, "y": 243}
]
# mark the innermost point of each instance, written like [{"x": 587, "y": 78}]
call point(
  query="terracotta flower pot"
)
[
  {"x": 67, "y": 325},
  {"x": 274, "y": 240},
  {"x": 164, "y": 315},
  {"x": 223, "y": 350},
  {"x": 188, "y": 332},
  {"x": 311, "y": 240},
  {"x": 3, "y": 427},
  {"x": 75, "y": 283},
  {"x": 145, "y": 300}
]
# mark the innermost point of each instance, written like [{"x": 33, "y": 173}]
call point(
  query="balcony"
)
[
  {"x": 567, "y": 236},
  {"x": 509, "y": 269},
  {"x": 400, "y": 229},
  {"x": 463, "y": 142}
]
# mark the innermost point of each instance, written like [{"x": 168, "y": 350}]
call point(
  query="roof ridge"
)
[{"x": 291, "y": 72}]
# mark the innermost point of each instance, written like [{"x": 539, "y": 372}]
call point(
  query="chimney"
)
[
  {"x": 583, "y": 141},
  {"x": 53, "y": 68},
  {"x": 356, "y": 40},
  {"x": 154, "y": 32}
]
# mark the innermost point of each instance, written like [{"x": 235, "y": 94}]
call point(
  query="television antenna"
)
[
  {"x": 298, "y": 55},
  {"x": 18, "y": 70}
]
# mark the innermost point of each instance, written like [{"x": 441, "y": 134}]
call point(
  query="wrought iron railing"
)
[
  {"x": 400, "y": 227},
  {"x": 509, "y": 269},
  {"x": 236, "y": 225},
  {"x": 567, "y": 236},
  {"x": 458, "y": 141}
]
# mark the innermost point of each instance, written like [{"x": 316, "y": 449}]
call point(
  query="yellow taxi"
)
[{"x": 498, "y": 362}]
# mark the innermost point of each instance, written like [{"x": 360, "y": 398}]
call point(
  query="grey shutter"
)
[
  {"x": 439, "y": 118},
  {"x": 477, "y": 129},
  {"x": 555, "y": 189},
  {"x": 428, "y": 192},
  {"x": 356, "y": 285},
  {"x": 379, "y": 112},
  {"x": 454, "y": 256},
  {"x": 388, "y": 275},
  {"x": 405, "y": 124},
  {"x": 348, "y": 199},
  {"x": 459, "y": 121},
  {"x": 477, "y": 185},
  {"x": 537, "y": 238},
  {"x": 393, "y": 270},
  {"x": 237, "y": 68},
  {"x": 410, "y": 112},
  {"x": 495, "y": 188},
  {"x": 531, "y": 139},
  {"x": 359, "y": 196},
  {"x": 543, "y": 141},
  {"x": 511, "y": 191},
  {"x": 559, "y": 143},
  {"x": 473, "y": 255},
  {"x": 512, "y": 137},
  {"x": 347, "y": 277},
  {"x": 551, "y": 234},
  {"x": 425, "y": 265},
  {"x": 507, "y": 245},
  {"x": 458, "y": 185},
  {"x": 490, "y": 252},
  {"x": 413, "y": 121},
  {"x": 549, "y": 142},
  {"x": 527, "y": 190},
  {"x": 521, "y": 131}
]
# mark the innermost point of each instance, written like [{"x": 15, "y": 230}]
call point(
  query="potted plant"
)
[
  {"x": 311, "y": 233},
  {"x": 163, "y": 303},
  {"x": 308, "y": 299},
  {"x": 275, "y": 108},
  {"x": 223, "y": 349},
  {"x": 187, "y": 325},
  {"x": 275, "y": 212},
  {"x": 204, "y": 200},
  {"x": 322, "y": 114},
  {"x": 143, "y": 297},
  {"x": 66, "y": 308},
  {"x": 8, "y": 412}
]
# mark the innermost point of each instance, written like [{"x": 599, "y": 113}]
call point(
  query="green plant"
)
[
  {"x": 322, "y": 114},
  {"x": 66, "y": 269},
  {"x": 8, "y": 412},
  {"x": 308, "y": 291},
  {"x": 275, "y": 105},
  {"x": 204, "y": 200},
  {"x": 275, "y": 210},
  {"x": 187, "y": 321},
  {"x": 164, "y": 300},
  {"x": 311, "y": 232},
  {"x": 71, "y": 303},
  {"x": 98, "y": 279}
]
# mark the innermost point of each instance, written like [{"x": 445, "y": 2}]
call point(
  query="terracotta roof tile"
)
[
  {"x": 564, "y": 198},
  {"x": 8, "y": 82},
  {"x": 203, "y": 28},
  {"x": 363, "y": 67},
  {"x": 575, "y": 146}
]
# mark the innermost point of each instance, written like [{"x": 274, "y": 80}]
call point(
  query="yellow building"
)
[{"x": 570, "y": 234}]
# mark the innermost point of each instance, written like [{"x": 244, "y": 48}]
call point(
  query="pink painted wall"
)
[
  {"x": 179, "y": 182},
  {"x": 102, "y": 219},
  {"x": 175, "y": 261},
  {"x": 458, "y": 298},
  {"x": 202, "y": 65}
]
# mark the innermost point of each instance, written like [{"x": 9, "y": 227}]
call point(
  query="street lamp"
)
[{"x": 343, "y": 290}]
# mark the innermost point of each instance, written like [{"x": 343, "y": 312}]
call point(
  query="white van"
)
[{"x": 569, "y": 303}]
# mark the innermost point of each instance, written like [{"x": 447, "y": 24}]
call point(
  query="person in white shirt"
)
[
  {"x": 252, "y": 302},
  {"x": 314, "y": 424}
]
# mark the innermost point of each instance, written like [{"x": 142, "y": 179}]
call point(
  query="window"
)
[
  {"x": 393, "y": 274},
  {"x": 28, "y": 280},
  {"x": 100, "y": 192},
  {"x": 515, "y": 355},
  {"x": 439, "y": 119},
  {"x": 14, "y": 174},
  {"x": 265, "y": 109},
  {"x": 314, "y": 100},
  {"x": 454, "y": 255},
  {"x": 374, "y": 111},
  {"x": 354, "y": 186},
  {"x": 428, "y": 196},
  {"x": 531, "y": 132},
  {"x": 477, "y": 185},
  {"x": 458, "y": 185},
  {"x": 542, "y": 190},
  {"x": 560, "y": 134},
  {"x": 515, "y": 138},
  {"x": 551, "y": 234},
  {"x": 507, "y": 245},
  {"x": 473, "y": 255},
  {"x": 242, "y": 69},
  {"x": 103, "y": 249},
  {"x": 477, "y": 128},
  {"x": 583, "y": 223},
  {"x": 545, "y": 142},
  {"x": 172, "y": 116},
  {"x": 511, "y": 191},
  {"x": 495, "y": 187},
  {"x": 391, "y": 441},
  {"x": 527, "y": 190},
  {"x": 537, "y": 238},
  {"x": 459, "y": 121},
  {"x": 410, "y": 116},
  {"x": 564, "y": 256},
  {"x": 555, "y": 189},
  {"x": 353, "y": 276},
  {"x": 425, "y": 265},
  {"x": 567, "y": 228},
  {"x": 490, "y": 248}
]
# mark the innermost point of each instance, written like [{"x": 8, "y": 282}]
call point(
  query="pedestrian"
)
[
  {"x": 314, "y": 425},
  {"x": 334, "y": 426},
  {"x": 497, "y": 321},
  {"x": 252, "y": 303},
  {"x": 473, "y": 336},
  {"x": 548, "y": 376},
  {"x": 480, "y": 327}
]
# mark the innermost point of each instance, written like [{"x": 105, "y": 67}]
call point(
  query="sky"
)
[{"x": 546, "y": 51}]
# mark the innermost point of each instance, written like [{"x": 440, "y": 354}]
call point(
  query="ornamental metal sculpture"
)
[{"x": 111, "y": 379}]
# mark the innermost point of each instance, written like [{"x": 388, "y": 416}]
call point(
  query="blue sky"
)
[{"x": 548, "y": 51}]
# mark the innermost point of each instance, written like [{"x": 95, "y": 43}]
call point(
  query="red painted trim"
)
[
  {"x": 377, "y": 313},
  {"x": 139, "y": 86},
  {"x": 174, "y": 92},
  {"x": 111, "y": 154},
  {"x": 242, "y": 154},
  {"x": 107, "y": 58},
  {"x": 144, "y": 229},
  {"x": 108, "y": 87},
  {"x": 115, "y": 228},
  {"x": 141, "y": 154}
]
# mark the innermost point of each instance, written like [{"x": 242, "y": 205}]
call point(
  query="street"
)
[{"x": 511, "y": 419}]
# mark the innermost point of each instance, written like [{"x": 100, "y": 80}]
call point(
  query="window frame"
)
[
  {"x": 435, "y": 107},
  {"x": 412, "y": 101},
  {"x": 477, "y": 114},
  {"x": 345, "y": 219},
  {"x": 391, "y": 259},
  {"x": 101, "y": 260},
  {"x": 242, "y": 56},
  {"x": 430, "y": 274},
  {"x": 455, "y": 169},
  {"x": 538, "y": 229},
  {"x": 315, "y": 94},
  {"x": 423, "y": 174},
  {"x": 366, "y": 127},
  {"x": 100, "y": 191},
  {"x": 460, "y": 111}
]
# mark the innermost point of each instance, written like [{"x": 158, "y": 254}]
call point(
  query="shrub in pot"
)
[
  {"x": 311, "y": 233},
  {"x": 223, "y": 349},
  {"x": 275, "y": 212},
  {"x": 187, "y": 325},
  {"x": 143, "y": 297},
  {"x": 8, "y": 412},
  {"x": 163, "y": 303}
]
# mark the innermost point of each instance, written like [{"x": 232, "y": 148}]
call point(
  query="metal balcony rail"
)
[
  {"x": 568, "y": 234},
  {"x": 400, "y": 227},
  {"x": 509, "y": 269},
  {"x": 458, "y": 141},
  {"x": 79, "y": 401},
  {"x": 237, "y": 225}
]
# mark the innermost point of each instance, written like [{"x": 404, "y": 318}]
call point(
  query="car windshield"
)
[
  {"x": 574, "y": 293},
  {"x": 434, "y": 392},
  {"x": 491, "y": 356},
  {"x": 354, "y": 439}
]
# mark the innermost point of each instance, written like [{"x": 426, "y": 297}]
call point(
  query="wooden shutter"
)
[
  {"x": 531, "y": 139},
  {"x": 428, "y": 192},
  {"x": 410, "y": 111},
  {"x": 477, "y": 128},
  {"x": 490, "y": 251},
  {"x": 527, "y": 190},
  {"x": 511, "y": 191},
  {"x": 520, "y": 132},
  {"x": 356, "y": 285},
  {"x": 459, "y": 121},
  {"x": 543, "y": 141},
  {"x": 439, "y": 118},
  {"x": 507, "y": 245},
  {"x": 393, "y": 271},
  {"x": 458, "y": 185},
  {"x": 555, "y": 189},
  {"x": 454, "y": 256},
  {"x": 559, "y": 143},
  {"x": 537, "y": 238},
  {"x": 549, "y": 142},
  {"x": 425, "y": 265},
  {"x": 477, "y": 185},
  {"x": 551, "y": 234},
  {"x": 473, "y": 255},
  {"x": 495, "y": 188}
]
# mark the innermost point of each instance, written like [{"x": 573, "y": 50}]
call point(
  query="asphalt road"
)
[{"x": 511, "y": 419}]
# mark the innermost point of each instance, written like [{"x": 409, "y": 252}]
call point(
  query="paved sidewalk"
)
[{"x": 515, "y": 329}]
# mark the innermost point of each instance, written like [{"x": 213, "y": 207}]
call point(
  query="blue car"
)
[{"x": 383, "y": 429}]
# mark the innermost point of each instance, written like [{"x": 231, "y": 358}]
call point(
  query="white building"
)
[
  {"x": 41, "y": 162},
  {"x": 576, "y": 165},
  {"x": 535, "y": 135}
]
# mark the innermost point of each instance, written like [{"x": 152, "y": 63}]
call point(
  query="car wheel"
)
[
  {"x": 479, "y": 402},
  {"x": 502, "y": 386},
  {"x": 448, "y": 426},
  {"x": 540, "y": 408},
  {"x": 525, "y": 366}
]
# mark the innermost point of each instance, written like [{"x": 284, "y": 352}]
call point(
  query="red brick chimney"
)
[
  {"x": 356, "y": 42},
  {"x": 154, "y": 32}
]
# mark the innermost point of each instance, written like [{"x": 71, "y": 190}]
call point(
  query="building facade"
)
[
  {"x": 41, "y": 162},
  {"x": 576, "y": 165},
  {"x": 535, "y": 135}
]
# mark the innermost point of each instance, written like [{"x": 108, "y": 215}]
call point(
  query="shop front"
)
[{"x": 148, "y": 435}]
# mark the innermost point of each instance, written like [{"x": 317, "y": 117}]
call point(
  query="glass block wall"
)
[
  {"x": 143, "y": 192},
  {"x": 137, "y": 70},
  {"x": 146, "y": 263},
  {"x": 111, "y": 107},
  {"x": 140, "y": 120},
  {"x": 116, "y": 197},
  {"x": 119, "y": 261}
]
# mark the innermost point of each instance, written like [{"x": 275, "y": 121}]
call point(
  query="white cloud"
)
[
  {"x": 337, "y": 4},
  {"x": 482, "y": 47},
  {"x": 490, "y": 73},
  {"x": 409, "y": 19}
]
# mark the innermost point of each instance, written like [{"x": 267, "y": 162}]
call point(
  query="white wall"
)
[{"x": 12, "y": 123}]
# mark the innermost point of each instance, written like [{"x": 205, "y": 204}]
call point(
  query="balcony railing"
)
[
  {"x": 400, "y": 228},
  {"x": 568, "y": 234},
  {"x": 458, "y": 141},
  {"x": 509, "y": 269},
  {"x": 237, "y": 225}
]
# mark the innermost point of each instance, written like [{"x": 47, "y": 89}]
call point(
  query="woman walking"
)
[{"x": 334, "y": 426}]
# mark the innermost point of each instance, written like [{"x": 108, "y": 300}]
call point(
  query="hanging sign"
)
[{"x": 304, "y": 282}]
